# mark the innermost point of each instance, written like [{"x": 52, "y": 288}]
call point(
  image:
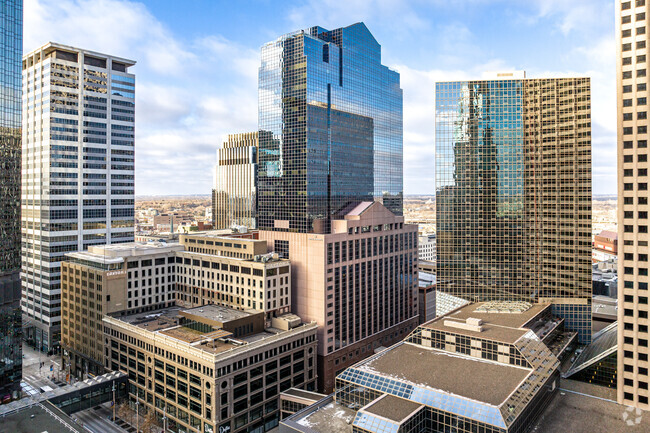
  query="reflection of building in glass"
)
[
  {"x": 11, "y": 47},
  {"x": 235, "y": 190},
  {"x": 333, "y": 113},
  {"x": 597, "y": 362},
  {"x": 481, "y": 368},
  {"x": 78, "y": 165},
  {"x": 513, "y": 184}
]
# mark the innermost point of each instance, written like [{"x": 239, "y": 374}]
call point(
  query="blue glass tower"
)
[
  {"x": 330, "y": 120},
  {"x": 11, "y": 47}
]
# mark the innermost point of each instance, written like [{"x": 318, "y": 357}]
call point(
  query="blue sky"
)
[{"x": 196, "y": 77}]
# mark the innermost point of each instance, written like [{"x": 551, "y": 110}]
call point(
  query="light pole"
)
[
  {"x": 165, "y": 419},
  {"x": 114, "y": 402},
  {"x": 137, "y": 415}
]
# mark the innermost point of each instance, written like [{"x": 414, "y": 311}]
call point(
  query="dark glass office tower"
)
[
  {"x": 513, "y": 185},
  {"x": 11, "y": 50},
  {"x": 330, "y": 120}
]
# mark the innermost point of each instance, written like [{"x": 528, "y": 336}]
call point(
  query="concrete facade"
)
[{"x": 359, "y": 284}]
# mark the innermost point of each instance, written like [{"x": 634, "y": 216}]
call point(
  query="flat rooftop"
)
[
  {"x": 36, "y": 420},
  {"x": 331, "y": 418},
  {"x": 167, "y": 322},
  {"x": 217, "y": 313},
  {"x": 582, "y": 408},
  {"x": 393, "y": 408},
  {"x": 485, "y": 381},
  {"x": 502, "y": 327},
  {"x": 152, "y": 320}
]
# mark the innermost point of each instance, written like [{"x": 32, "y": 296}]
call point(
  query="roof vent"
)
[{"x": 470, "y": 324}]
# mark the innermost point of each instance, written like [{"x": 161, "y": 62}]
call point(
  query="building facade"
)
[
  {"x": 78, "y": 171},
  {"x": 131, "y": 278},
  {"x": 513, "y": 192},
  {"x": 330, "y": 121},
  {"x": 110, "y": 279},
  {"x": 235, "y": 185},
  {"x": 234, "y": 272},
  {"x": 210, "y": 369},
  {"x": 632, "y": 94},
  {"x": 11, "y": 47},
  {"x": 427, "y": 247},
  {"x": 358, "y": 283}
]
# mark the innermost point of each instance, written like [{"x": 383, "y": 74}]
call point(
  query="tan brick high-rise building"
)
[
  {"x": 632, "y": 100},
  {"x": 234, "y": 195}
]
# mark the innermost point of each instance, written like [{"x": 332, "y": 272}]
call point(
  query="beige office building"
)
[
  {"x": 211, "y": 369},
  {"x": 359, "y": 283},
  {"x": 106, "y": 279},
  {"x": 235, "y": 191},
  {"x": 632, "y": 98},
  {"x": 234, "y": 272},
  {"x": 205, "y": 268}
]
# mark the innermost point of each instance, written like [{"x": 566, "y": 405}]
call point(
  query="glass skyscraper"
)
[
  {"x": 330, "y": 120},
  {"x": 11, "y": 48},
  {"x": 513, "y": 193}
]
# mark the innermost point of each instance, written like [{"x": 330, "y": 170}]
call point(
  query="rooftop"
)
[
  {"x": 392, "y": 408},
  {"x": 115, "y": 253},
  {"x": 52, "y": 46},
  {"x": 217, "y": 313},
  {"x": 330, "y": 418},
  {"x": 573, "y": 409},
  {"x": 39, "y": 418},
  {"x": 186, "y": 326},
  {"x": 504, "y": 326},
  {"x": 489, "y": 381}
]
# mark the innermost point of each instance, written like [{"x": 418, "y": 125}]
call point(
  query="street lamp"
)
[
  {"x": 114, "y": 402},
  {"x": 137, "y": 415},
  {"x": 164, "y": 419}
]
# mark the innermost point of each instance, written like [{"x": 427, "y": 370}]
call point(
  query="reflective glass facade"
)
[
  {"x": 11, "y": 47},
  {"x": 330, "y": 120},
  {"x": 513, "y": 185},
  {"x": 78, "y": 179}
]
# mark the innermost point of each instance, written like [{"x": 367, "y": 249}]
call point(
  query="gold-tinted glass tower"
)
[
  {"x": 513, "y": 185},
  {"x": 235, "y": 191},
  {"x": 632, "y": 95}
]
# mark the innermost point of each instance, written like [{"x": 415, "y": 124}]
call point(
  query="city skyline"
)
[{"x": 206, "y": 80}]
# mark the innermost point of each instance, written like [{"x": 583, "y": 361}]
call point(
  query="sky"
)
[{"x": 197, "y": 62}]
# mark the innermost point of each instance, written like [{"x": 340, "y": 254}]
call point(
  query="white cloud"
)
[{"x": 189, "y": 94}]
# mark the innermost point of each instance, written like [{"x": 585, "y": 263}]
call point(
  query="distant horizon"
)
[
  {"x": 197, "y": 66},
  {"x": 141, "y": 196}
]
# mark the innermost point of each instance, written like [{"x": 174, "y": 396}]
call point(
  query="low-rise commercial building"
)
[
  {"x": 483, "y": 367},
  {"x": 211, "y": 369},
  {"x": 204, "y": 268}
]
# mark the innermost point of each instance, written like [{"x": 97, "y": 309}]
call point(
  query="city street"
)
[
  {"x": 97, "y": 420},
  {"x": 36, "y": 376}
]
